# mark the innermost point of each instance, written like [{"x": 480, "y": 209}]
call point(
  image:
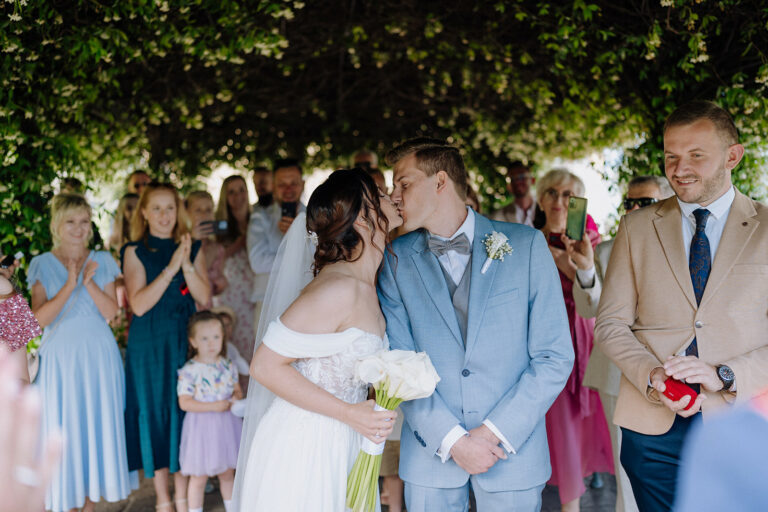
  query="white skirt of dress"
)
[{"x": 299, "y": 461}]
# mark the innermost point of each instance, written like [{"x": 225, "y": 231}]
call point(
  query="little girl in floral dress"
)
[{"x": 210, "y": 435}]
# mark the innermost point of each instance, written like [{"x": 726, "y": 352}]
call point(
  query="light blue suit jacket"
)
[{"x": 518, "y": 353}]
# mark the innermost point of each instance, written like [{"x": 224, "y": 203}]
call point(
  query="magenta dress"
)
[{"x": 579, "y": 439}]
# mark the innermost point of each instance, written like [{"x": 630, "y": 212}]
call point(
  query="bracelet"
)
[
  {"x": 189, "y": 268},
  {"x": 167, "y": 273}
]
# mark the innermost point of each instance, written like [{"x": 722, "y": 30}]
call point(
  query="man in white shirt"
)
[
  {"x": 262, "y": 183},
  {"x": 268, "y": 225},
  {"x": 523, "y": 208}
]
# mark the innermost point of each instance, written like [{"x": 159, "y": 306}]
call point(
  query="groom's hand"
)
[
  {"x": 485, "y": 433},
  {"x": 476, "y": 454}
]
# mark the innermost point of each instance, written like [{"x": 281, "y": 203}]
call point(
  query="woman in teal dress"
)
[
  {"x": 165, "y": 273},
  {"x": 80, "y": 377}
]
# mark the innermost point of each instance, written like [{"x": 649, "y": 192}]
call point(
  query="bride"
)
[{"x": 305, "y": 443}]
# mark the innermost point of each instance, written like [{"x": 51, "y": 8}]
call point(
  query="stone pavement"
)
[{"x": 594, "y": 500}]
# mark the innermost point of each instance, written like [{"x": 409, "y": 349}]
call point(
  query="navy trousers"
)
[{"x": 652, "y": 462}]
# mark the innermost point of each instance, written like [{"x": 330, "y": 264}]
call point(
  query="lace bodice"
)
[{"x": 328, "y": 360}]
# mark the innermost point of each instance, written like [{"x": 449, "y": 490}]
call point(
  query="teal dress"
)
[{"x": 157, "y": 348}]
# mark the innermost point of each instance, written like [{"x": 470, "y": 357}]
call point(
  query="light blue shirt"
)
[{"x": 718, "y": 210}]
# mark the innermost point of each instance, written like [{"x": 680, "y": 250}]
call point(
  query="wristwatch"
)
[{"x": 726, "y": 376}]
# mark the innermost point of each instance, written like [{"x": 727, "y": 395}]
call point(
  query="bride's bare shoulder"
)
[{"x": 324, "y": 305}]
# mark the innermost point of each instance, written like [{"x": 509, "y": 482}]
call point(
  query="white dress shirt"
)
[
  {"x": 718, "y": 211},
  {"x": 456, "y": 264},
  {"x": 262, "y": 241}
]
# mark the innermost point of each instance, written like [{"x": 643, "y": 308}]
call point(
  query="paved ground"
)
[{"x": 594, "y": 500}]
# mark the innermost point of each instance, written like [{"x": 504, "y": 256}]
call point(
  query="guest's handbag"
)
[
  {"x": 18, "y": 324},
  {"x": 33, "y": 358}
]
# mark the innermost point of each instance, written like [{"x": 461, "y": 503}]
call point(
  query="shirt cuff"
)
[
  {"x": 586, "y": 277},
  {"x": 453, "y": 435},
  {"x": 510, "y": 449}
]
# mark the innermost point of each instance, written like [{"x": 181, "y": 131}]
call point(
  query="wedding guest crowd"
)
[{"x": 684, "y": 273}]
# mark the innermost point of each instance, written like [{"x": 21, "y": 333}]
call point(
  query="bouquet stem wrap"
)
[{"x": 396, "y": 376}]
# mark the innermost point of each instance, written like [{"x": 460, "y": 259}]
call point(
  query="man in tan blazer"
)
[{"x": 685, "y": 296}]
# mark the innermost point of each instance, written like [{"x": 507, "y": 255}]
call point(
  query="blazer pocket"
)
[
  {"x": 503, "y": 297},
  {"x": 750, "y": 269}
]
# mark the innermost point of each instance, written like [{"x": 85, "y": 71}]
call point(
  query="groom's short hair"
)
[{"x": 433, "y": 155}]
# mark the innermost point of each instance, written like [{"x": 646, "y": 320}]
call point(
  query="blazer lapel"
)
[
  {"x": 736, "y": 233},
  {"x": 669, "y": 229},
  {"x": 480, "y": 285},
  {"x": 434, "y": 282}
]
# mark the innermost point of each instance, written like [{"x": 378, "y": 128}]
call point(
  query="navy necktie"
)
[{"x": 699, "y": 264}]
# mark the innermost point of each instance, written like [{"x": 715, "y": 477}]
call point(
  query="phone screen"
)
[
  {"x": 577, "y": 218},
  {"x": 288, "y": 209}
]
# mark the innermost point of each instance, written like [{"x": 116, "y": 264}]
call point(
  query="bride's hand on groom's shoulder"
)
[
  {"x": 375, "y": 425},
  {"x": 476, "y": 453}
]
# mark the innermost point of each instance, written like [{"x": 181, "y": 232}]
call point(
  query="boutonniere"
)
[{"x": 496, "y": 247}]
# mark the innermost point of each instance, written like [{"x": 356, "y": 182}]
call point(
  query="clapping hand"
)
[
  {"x": 375, "y": 425},
  {"x": 181, "y": 254},
  {"x": 89, "y": 272},
  {"x": 72, "y": 272}
]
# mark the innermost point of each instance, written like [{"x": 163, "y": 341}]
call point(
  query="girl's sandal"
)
[
  {"x": 165, "y": 506},
  {"x": 181, "y": 505}
]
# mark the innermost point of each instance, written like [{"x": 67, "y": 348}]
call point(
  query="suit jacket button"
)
[
  {"x": 699, "y": 324},
  {"x": 465, "y": 372}
]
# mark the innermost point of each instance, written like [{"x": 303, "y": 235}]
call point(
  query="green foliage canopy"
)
[{"x": 90, "y": 87}]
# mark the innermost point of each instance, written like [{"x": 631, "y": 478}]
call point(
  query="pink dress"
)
[
  {"x": 579, "y": 439},
  {"x": 237, "y": 295}
]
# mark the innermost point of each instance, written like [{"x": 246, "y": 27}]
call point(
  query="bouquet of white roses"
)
[{"x": 397, "y": 376}]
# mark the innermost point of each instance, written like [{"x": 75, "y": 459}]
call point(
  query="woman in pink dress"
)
[
  {"x": 235, "y": 208},
  {"x": 579, "y": 439}
]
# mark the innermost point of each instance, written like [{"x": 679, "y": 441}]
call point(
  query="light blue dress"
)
[{"x": 82, "y": 383}]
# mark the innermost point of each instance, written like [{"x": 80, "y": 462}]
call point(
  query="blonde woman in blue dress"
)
[
  {"x": 305, "y": 443},
  {"x": 81, "y": 377}
]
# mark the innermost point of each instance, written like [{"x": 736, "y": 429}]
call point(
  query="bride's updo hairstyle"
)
[{"x": 332, "y": 211}]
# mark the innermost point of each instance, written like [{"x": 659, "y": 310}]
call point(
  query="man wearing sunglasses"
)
[{"x": 601, "y": 373}]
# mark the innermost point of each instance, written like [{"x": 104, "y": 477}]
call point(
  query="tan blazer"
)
[{"x": 648, "y": 309}]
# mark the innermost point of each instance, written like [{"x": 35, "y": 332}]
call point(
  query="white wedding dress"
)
[{"x": 299, "y": 460}]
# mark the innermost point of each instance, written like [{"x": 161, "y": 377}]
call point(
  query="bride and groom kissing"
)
[{"x": 495, "y": 330}]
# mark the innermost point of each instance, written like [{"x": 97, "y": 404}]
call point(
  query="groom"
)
[{"x": 499, "y": 340}]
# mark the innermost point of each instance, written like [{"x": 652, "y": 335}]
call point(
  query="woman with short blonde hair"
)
[{"x": 80, "y": 374}]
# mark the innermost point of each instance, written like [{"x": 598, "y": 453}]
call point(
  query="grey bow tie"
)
[{"x": 460, "y": 244}]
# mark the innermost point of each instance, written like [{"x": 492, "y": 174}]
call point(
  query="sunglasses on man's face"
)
[{"x": 638, "y": 201}]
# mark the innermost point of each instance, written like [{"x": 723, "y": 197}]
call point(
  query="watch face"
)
[{"x": 725, "y": 373}]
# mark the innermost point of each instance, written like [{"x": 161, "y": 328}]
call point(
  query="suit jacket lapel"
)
[
  {"x": 736, "y": 233},
  {"x": 434, "y": 282},
  {"x": 480, "y": 285},
  {"x": 669, "y": 229}
]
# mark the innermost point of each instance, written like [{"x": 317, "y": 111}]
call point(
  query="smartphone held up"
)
[{"x": 577, "y": 218}]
